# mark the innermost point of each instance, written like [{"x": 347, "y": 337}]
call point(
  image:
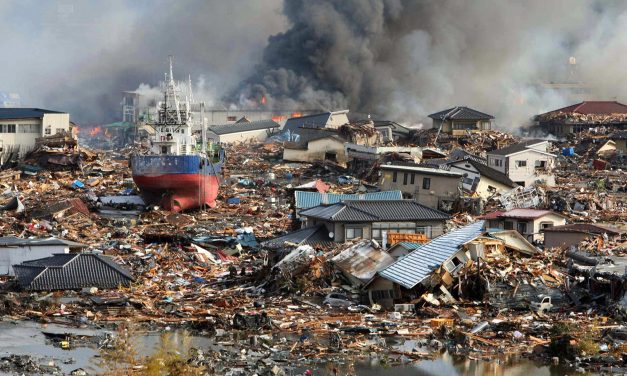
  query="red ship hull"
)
[{"x": 179, "y": 192}]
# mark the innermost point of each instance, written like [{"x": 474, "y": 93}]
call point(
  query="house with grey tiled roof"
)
[
  {"x": 71, "y": 272},
  {"x": 460, "y": 120},
  {"x": 375, "y": 219}
]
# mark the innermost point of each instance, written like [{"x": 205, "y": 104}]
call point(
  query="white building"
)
[
  {"x": 20, "y": 128},
  {"x": 15, "y": 251},
  {"x": 525, "y": 163},
  {"x": 242, "y": 131}
]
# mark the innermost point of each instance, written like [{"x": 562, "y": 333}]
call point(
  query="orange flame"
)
[
  {"x": 94, "y": 131},
  {"x": 297, "y": 114},
  {"x": 263, "y": 100}
]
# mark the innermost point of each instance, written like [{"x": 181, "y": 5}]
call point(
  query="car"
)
[
  {"x": 337, "y": 300},
  {"x": 543, "y": 306}
]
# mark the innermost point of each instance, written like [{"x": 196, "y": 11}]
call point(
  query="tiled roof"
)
[
  {"x": 410, "y": 270},
  {"x": 592, "y": 108},
  {"x": 305, "y": 200},
  {"x": 584, "y": 227},
  {"x": 243, "y": 127},
  {"x": 460, "y": 113},
  {"x": 527, "y": 213},
  {"x": 516, "y": 147},
  {"x": 24, "y": 113},
  {"x": 71, "y": 272},
  {"x": 12, "y": 241},
  {"x": 422, "y": 170},
  {"x": 372, "y": 211},
  {"x": 315, "y": 235}
]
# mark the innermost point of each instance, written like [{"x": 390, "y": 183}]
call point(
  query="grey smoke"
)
[
  {"x": 406, "y": 59},
  {"x": 401, "y": 59}
]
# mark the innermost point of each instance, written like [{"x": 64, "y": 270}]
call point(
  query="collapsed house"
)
[
  {"x": 528, "y": 222},
  {"x": 480, "y": 179},
  {"x": 573, "y": 234},
  {"x": 243, "y": 130}
]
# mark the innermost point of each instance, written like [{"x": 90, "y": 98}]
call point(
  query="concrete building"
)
[
  {"x": 583, "y": 116},
  {"x": 242, "y": 131},
  {"x": 525, "y": 163},
  {"x": 375, "y": 219},
  {"x": 20, "y": 128},
  {"x": 330, "y": 120},
  {"x": 528, "y": 222},
  {"x": 432, "y": 187},
  {"x": 460, "y": 120},
  {"x": 571, "y": 235},
  {"x": 15, "y": 250},
  {"x": 481, "y": 179}
]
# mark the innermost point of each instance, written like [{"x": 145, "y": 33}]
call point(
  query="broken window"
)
[
  {"x": 48, "y": 130},
  {"x": 426, "y": 183},
  {"x": 544, "y": 225},
  {"x": 522, "y": 227},
  {"x": 330, "y": 156}
]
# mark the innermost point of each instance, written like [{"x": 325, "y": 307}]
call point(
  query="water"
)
[{"x": 26, "y": 338}]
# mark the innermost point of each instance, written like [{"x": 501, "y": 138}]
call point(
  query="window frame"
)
[{"x": 426, "y": 183}]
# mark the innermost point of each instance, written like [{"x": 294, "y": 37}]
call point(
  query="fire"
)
[
  {"x": 278, "y": 118},
  {"x": 263, "y": 100},
  {"x": 297, "y": 114},
  {"x": 95, "y": 130}
]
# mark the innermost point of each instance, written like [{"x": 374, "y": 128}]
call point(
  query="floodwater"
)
[{"x": 26, "y": 338}]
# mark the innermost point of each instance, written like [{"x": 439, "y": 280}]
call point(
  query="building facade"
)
[
  {"x": 432, "y": 187},
  {"x": 460, "y": 120},
  {"x": 525, "y": 163},
  {"x": 20, "y": 127}
]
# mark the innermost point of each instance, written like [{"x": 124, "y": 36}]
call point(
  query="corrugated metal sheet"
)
[
  {"x": 306, "y": 200},
  {"x": 419, "y": 264},
  {"x": 362, "y": 260}
]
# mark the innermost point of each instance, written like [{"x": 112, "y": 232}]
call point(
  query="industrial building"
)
[{"x": 20, "y": 128}]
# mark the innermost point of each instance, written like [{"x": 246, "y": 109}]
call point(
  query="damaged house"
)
[
  {"x": 325, "y": 120},
  {"x": 528, "y": 222},
  {"x": 460, "y": 120},
  {"x": 571, "y": 235},
  {"x": 375, "y": 219},
  {"x": 440, "y": 259},
  {"x": 480, "y": 179},
  {"x": 583, "y": 116},
  {"x": 525, "y": 163},
  {"x": 242, "y": 131},
  {"x": 432, "y": 187}
]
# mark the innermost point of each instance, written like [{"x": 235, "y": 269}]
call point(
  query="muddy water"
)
[{"x": 26, "y": 338}]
